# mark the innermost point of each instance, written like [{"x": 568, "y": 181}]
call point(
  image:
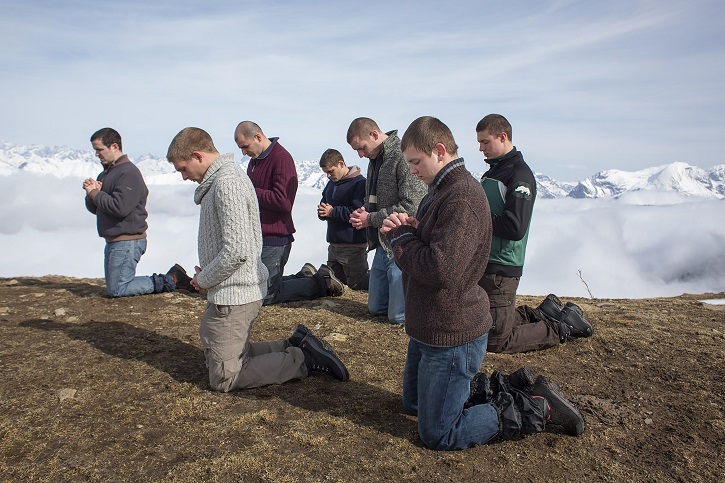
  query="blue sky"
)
[{"x": 587, "y": 85}]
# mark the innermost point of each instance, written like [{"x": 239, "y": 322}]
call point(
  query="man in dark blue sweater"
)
[{"x": 344, "y": 193}]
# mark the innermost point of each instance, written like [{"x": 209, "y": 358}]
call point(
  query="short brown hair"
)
[
  {"x": 188, "y": 140},
  {"x": 495, "y": 124},
  {"x": 330, "y": 158},
  {"x": 427, "y": 131},
  {"x": 360, "y": 127}
]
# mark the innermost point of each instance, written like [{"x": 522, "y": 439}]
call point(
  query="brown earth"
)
[{"x": 116, "y": 390}]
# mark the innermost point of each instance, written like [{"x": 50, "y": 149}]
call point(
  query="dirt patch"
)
[{"x": 116, "y": 390}]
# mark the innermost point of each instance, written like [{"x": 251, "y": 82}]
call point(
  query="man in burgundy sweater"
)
[{"x": 274, "y": 176}]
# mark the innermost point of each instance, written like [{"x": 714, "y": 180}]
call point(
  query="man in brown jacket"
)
[{"x": 442, "y": 253}]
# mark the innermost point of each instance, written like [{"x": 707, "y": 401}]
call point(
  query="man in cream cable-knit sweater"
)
[{"x": 232, "y": 272}]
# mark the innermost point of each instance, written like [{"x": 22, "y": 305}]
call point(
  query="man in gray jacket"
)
[
  {"x": 231, "y": 270},
  {"x": 389, "y": 187},
  {"x": 118, "y": 199}
]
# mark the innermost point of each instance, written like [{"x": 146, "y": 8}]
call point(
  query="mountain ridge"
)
[{"x": 679, "y": 177}]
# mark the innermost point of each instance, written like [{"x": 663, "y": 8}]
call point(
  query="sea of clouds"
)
[{"x": 642, "y": 244}]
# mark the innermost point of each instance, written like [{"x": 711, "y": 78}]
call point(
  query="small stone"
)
[
  {"x": 66, "y": 393},
  {"x": 337, "y": 337},
  {"x": 59, "y": 312},
  {"x": 72, "y": 319},
  {"x": 648, "y": 421}
]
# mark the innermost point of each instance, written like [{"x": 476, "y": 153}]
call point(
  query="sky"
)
[
  {"x": 643, "y": 244},
  {"x": 587, "y": 85}
]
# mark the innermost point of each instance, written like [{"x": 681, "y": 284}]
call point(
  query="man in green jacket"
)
[{"x": 511, "y": 191}]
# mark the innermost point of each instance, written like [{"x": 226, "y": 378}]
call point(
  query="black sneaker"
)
[
  {"x": 551, "y": 306},
  {"x": 308, "y": 270},
  {"x": 320, "y": 357},
  {"x": 561, "y": 411},
  {"x": 334, "y": 286},
  {"x": 572, "y": 316},
  {"x": 180, "y": 278},
  {"x": 298, "y": 335}
]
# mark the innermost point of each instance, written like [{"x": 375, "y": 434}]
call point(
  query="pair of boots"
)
[
  {"x": 525, "y": 403},
  {"x": 571, "y": 320},
  {"x": 333, "y": 286}
]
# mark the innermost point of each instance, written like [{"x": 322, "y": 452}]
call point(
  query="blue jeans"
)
[
  {"x": 385, "y": 291},
  {"x": 119, "y": 265},
  {"x": 436, "y": 385}
]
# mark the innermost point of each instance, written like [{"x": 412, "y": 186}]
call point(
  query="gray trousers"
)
[
  {"x": 515, "y": 329},
  {"x": 236, "y": 363}
]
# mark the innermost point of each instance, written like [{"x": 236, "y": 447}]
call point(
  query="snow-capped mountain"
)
[{"x": 678, "y": 177}]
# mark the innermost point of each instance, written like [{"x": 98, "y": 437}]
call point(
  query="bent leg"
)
[
  {"x": 224, "y": 333},
  {"x": 120, "y": 261},
  {"x": 444, "y": 378}
]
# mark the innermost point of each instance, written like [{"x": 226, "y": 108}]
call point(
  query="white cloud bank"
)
[{"x": 640, "y": 245}]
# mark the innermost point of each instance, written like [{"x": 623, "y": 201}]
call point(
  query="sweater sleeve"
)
[
  {"x": 230, "y": 207},
  {"x": 452, "y": 241},
  {"x": 342, "y": 212},
  {"x": 410, "y": 191}
]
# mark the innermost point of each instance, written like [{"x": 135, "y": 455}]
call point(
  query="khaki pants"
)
[
  {"x": 234, "y": 362},
  {"x": 515, "y": 329}
]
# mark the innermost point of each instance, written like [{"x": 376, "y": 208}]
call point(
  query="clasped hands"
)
[
  {"x": 91, "y": 184},
  {"x": 396, "y": 219}
]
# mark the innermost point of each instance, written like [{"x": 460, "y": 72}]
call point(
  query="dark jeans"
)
[
  {"x": 350, "y": 265},
  {"x": 289, "y": 288},
  {"x": 515, "y": 329}
]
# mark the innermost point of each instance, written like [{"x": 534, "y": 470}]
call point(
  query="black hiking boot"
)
[
  {"x": 561, "y": 411},
  {"x": 320, "y": 357},
  {"x": 523, "y": 378},
  {"x": 579, "y": 326},
  {"x": 551, "y": 306},
  {"x": 180, "y": 278},
  {"x": 334, "y": 287},
  {"x": 298, "y": 335}
]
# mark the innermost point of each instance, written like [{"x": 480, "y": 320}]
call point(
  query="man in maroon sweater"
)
[{"x": 274, "y": 176}]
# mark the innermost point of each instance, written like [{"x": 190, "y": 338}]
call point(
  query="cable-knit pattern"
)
[{"x": 230, "y": 235}]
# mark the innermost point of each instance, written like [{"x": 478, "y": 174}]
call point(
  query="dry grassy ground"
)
[{"x": 104, "y": 389}]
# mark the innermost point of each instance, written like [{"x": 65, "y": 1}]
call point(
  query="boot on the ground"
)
[
  {"x": 180, "y": 278},
  {"x": 321, "y": 357},
  {"x": 551, "y": 306},
  {"x": 308, "y": 270},
  {"x": 334, "y": 287},
  {"x": 298, "y": 335},
  {"x": 561, "y": 411}
]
